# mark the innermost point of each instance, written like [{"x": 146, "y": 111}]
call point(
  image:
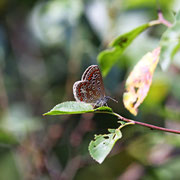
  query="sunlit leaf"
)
[
  {"x": 73, "y": 107},
  {"x": 70, "y": 107},
  {"x": 101, "y": 146},
  {"x": 139, "y": 81},
  {"x": 104, "y": 108},
  {"x": 170, "y": 43},
  {"x": 135, "y": 4},
  {"x": 109, "y": 57}
]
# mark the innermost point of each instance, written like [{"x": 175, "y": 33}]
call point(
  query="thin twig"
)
[
  {"x": 162, "y": 20},
  {"x": 146, "y": 125}
]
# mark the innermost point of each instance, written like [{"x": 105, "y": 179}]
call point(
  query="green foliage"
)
[
  {"x": 44, "y": 48},
  {"x": 70, "y": 107},
  {"x": 170, "y": 43},
  {"x": 73, "y": 107},
  {"x": 131, "y": 4},
  {"x": 109, "y": 57},
  {"x": 103, "y": 109},
  {"x": 101, "y": 146}
]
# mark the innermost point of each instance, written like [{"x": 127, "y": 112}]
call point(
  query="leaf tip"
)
[{"x": 128, "y": 101}]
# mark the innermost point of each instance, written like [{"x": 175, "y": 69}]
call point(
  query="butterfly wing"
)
[
  {"x": 86, "y": 72},
  {"x": 81, "y": 92},
  {"x": 91, "y": 88},
  {"x": 94, "y": 76}
]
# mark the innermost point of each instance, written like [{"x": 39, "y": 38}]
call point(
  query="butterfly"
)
[{"x": 90, "y": 88}]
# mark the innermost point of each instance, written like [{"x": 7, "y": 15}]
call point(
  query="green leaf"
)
[
  {"x": 124, "y": 40},
  {"x": 104, "y": 108},
  {"x": 170, "y": 43},
  {"x": 112, "y": 130},
  {"x": 109, "y": 57},
  {"x": 73, "y": 107},
  {"x": 122, "y": 122},
  {"x": 101, "y": 146}
]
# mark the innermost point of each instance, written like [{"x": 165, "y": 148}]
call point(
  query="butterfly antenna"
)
[{"x": 108, "y": 97}]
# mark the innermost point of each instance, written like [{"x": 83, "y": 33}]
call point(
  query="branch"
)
[
  {"x": 146, "y": 125},
  {"x": 161, "y": 20}
]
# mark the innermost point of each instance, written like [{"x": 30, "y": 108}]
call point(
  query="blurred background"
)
[{"x": 45, "y": 46}]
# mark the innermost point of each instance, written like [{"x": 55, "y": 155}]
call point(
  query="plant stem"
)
[
  {"x": 125, "y": 124},
  {"x": 145, "y": 124},
  {"x": 160, "y": 20}
]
